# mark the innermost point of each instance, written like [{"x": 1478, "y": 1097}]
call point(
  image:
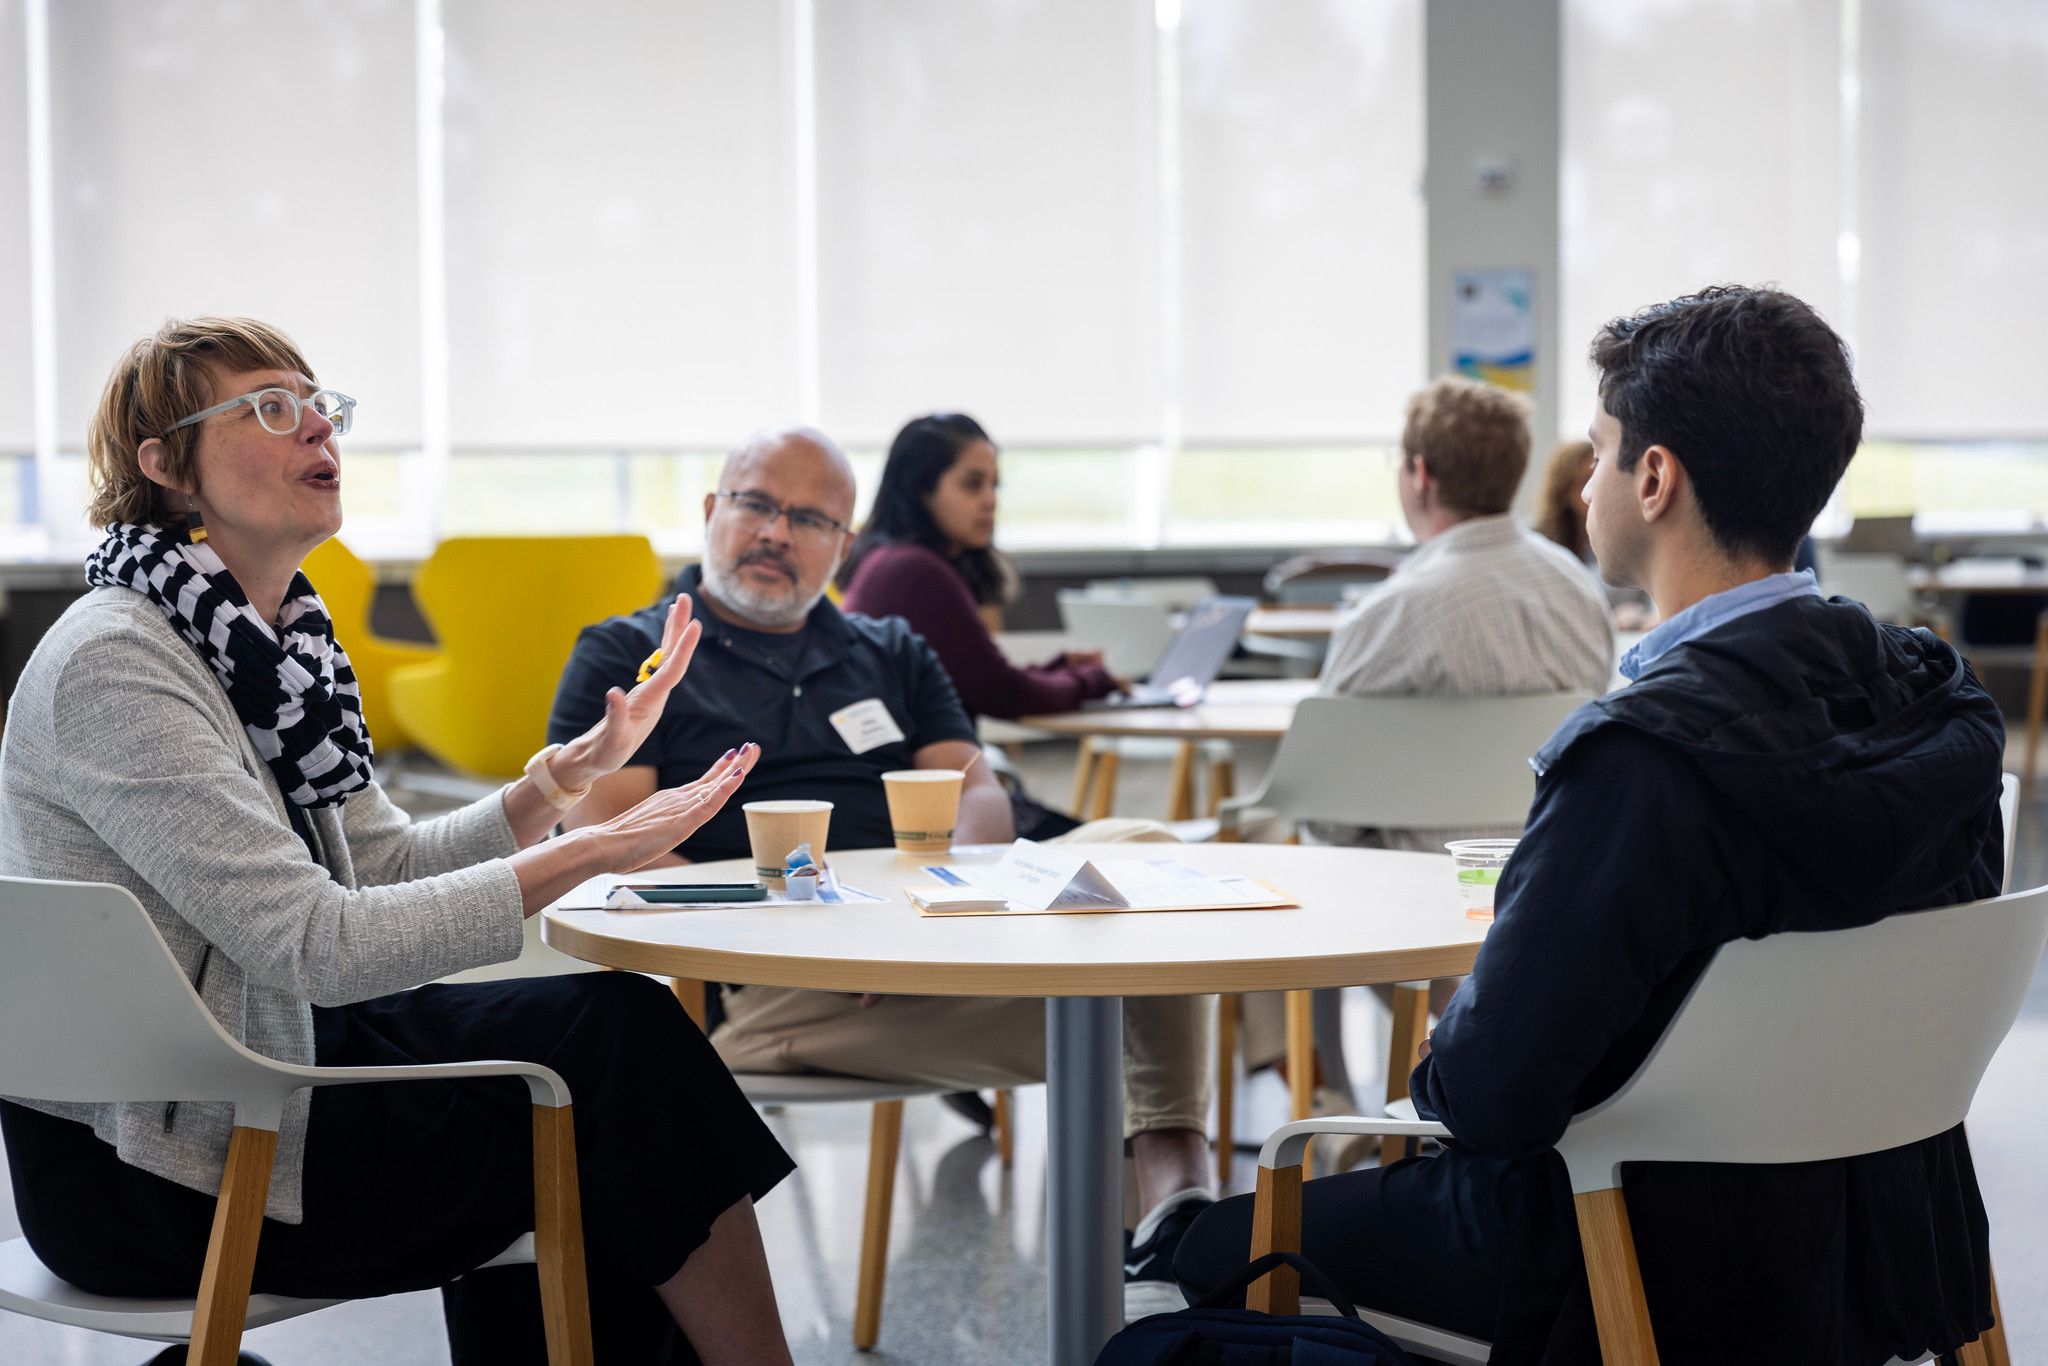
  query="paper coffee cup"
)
[
  {"x": 775, "y": 828},
  {"x": 924, "y": 804}
]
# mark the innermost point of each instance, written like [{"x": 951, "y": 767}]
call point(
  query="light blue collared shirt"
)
[{"x": 1714, "y": 610}]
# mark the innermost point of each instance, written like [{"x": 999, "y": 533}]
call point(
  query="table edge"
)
[{"x": 898, "y": 978}]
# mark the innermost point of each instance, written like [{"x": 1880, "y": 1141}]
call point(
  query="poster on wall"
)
[{"x": 1493, "y": 326}]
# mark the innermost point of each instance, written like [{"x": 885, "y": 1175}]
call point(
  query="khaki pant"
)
[{"x": 966, "y": 1043}]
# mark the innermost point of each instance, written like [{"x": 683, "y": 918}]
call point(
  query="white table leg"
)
[{"x": 1084, "y": 1172}]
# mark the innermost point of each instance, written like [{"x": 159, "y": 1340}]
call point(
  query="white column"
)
[{"x": 1494, "y": 81}]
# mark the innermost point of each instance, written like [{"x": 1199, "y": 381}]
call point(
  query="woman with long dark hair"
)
[{"x": 927, "y": 554}]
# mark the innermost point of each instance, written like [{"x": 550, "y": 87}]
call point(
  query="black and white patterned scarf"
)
[{"x": 291, "y": 685}]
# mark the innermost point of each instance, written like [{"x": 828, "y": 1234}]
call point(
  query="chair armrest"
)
[
  {"x": 543, "y": 1084},
  {"x": 1288, "y": 1144},
  {"x": 1276, "y": 1203},
  {"x": 1231, "y": 811}
]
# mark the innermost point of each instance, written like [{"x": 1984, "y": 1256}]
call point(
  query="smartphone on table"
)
[{"x": 689, "y": 892}]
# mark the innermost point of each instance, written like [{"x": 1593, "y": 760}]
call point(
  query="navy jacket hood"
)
[{"x": 1866, "y": 756}]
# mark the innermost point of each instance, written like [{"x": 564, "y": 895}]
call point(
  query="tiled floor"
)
[{"x": 966, "y": 1273}]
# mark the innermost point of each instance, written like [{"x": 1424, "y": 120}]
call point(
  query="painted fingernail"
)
[{"x": 727, "y": 755}]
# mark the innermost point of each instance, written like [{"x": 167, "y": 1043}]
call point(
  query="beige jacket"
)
[{"x": 124, "y": 762}]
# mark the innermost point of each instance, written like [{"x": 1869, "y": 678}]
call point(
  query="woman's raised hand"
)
[
  {"x": 629, "y": 717},
  {"x": 644, "y": 832}
]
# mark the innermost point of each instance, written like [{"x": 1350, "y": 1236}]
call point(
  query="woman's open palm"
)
[
  {"x": 629, "y": 717},
  {"x": 653, "y": 827}
]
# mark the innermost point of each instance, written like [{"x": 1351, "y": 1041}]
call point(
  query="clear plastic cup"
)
[{"x": 1478, "y": 864}]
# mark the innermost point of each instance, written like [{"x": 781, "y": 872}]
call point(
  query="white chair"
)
[
  {"x": 1405, "y": 762},
  {"x": 1829, "y": 1067},
  {"x": 1878, "y": 581},
  {"x": 885, "y": 1142},
  {"x": 1174, "y": 594},
  {"x": 1131, "y": 632},
  {"x": 885, "y": 1139},
  {"x": 2009, "y": 812},
  {"x": 94, "y": 1009},
  {"x": 1399, "y": 763}
]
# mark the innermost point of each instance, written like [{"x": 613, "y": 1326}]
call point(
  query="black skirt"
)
[{"x": 410, "y": 1185}]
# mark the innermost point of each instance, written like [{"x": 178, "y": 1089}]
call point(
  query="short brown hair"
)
[
  {"x": 163, "y": 378},
  {"x": 1475, "y": 438}
]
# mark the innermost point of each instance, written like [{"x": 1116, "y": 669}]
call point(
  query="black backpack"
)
[{"x": 1207, "y": 1335}]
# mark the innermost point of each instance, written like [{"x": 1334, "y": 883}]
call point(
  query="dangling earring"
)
[{"x": 195, "y": 525}]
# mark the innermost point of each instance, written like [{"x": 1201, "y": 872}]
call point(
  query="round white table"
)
[{"x": 1367, "y": 916}]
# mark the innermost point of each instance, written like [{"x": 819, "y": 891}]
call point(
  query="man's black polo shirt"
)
[{"x": 778, "y": 690}]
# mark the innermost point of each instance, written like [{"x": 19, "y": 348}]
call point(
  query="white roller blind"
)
[
  {"x": 17, "y": 395},
  {"x": 1954, "y": 217},
  {"x": 620, "y": 236},
  {"x": 1302, "y": 226},
  {"x": 1700, "y": 147},
  {"x": 213, "y": 156},
  {"x": 987, "y": 216}
]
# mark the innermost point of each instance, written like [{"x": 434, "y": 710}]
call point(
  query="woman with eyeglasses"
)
[{"x": 190, "y": 730}]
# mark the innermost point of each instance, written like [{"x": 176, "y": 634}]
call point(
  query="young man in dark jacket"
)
[{"x": 1780, "y": 762}]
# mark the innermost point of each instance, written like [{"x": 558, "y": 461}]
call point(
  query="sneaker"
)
[{"x": 1149, "y": 1286}]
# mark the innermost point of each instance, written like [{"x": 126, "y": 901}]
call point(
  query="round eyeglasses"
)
[{"x": 281, "y": 411}]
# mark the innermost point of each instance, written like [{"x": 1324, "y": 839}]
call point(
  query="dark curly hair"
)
[
  {"x": 918, "y": 458},
  {"x": 1753, "y": 393}
]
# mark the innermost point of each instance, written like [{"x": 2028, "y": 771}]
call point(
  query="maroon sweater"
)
[{"x": 922, "y": 586}]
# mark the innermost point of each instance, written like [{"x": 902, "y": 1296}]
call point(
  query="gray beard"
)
[{"x": 769, "y": 609}]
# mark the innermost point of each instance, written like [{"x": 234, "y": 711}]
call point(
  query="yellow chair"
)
[
  {"x": 506, "y": 610},
  {"x": 347, "y": 586}
]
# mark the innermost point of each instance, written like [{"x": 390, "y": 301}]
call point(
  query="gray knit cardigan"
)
[{"x": 124, "y": 762}]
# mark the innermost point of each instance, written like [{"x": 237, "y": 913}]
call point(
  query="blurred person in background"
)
[{"x": 928, "y": 555}]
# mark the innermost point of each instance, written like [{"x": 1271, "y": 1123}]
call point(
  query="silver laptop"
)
[{"x": 1192, "y": 659}]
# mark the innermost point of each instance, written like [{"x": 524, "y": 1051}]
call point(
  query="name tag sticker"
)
[{"x": 866, "y": 725}]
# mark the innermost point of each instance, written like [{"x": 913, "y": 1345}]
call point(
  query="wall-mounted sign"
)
[{"x": 1493, "y": 326}]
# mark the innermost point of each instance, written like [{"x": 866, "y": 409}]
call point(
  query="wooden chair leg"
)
[
  {"x": 1084, "y": 775},
  {"x": 2037, "y": 704},
  {"x": 1620, "y": 1312},
  {"x": 1276, "y": 1227},
  {"x": 1301, "y": 1054},
  {"x": 1301, "y": 1061},
  {"x": 885, "y": 1137},
  {"x": 1180, "y": 783},
  {"x": 1995, "y": 1352},
  {"x": 558, "y": 1237},
  {"x": 1222, "y": 783},
  {"x": 1988, "y": 1347},
  {"x": 1005, "y": 1130},
  {"x": 690, "y": 994},
  {"x": 223, "y": 1305},
  {"x": 1410, "y": 1027},
  {"x": 1107, "y": 762},
  {"x": 1227, "y": 1008}
]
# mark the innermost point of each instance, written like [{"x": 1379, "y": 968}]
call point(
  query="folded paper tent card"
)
[{"x": 1044, "y": 879}]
